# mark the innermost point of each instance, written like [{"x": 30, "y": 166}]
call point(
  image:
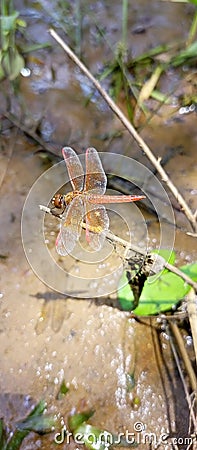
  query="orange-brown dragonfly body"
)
[{"x": 84, "y": 203}]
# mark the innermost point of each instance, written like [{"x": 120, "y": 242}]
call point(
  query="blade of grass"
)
[
  {"x": 160, "y": 49},
  {"x": 18, "y": 436},
  {"x": 35, "y": 47},
  {"x": 124, "y": 22},
  {"x": 78, "y": 28},
  {"x": 150, "y": 84},
  {"x": 160, "y": 97},
  {"x": 192, "y": 31},
  {"x": 2, "y": 436},
  {"x": 183, "y": 57}
]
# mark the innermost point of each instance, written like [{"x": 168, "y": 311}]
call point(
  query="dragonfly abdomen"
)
[{"x": 99, "y": 199}]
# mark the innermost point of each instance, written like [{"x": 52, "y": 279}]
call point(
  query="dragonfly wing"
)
[
  {"x": 74, "y": 167},
  {"x": 60, "y": 245},
  {"x": 95, "y": 179},
  {"x": 97, "y": 224},
  {"x": 70, "y": 227}
]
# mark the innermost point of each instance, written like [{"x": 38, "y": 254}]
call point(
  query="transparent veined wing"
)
[
  {"x": 97, "y": 223},
  {"x": 95, "y": 179},
  {"x": 70, "y": 227},
  {"x": 74, "y": 167}
]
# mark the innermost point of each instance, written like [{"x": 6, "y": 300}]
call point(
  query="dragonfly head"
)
[{"x": 58, "y": 201}]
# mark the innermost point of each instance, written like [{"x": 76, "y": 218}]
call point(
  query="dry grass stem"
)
[
  {"x": 191, "y": 409},
  {"x": 190, "y": 371},
  {"x": 192, "y": 311}
]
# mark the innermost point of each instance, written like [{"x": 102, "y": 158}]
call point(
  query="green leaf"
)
[
  {"x": 160, "y": 295},
  {"x": 190, "y": 270},
  {"x": 39, "y": 424},
  {"x": 18, "y": 436},
  {"x": 62, "y": 391},
  {"x": 21, "y": 23},
  {"x": 76, "y": 420},
  {"x": 8, "y": 23},
  {"x": 168, "y": 255},
  {"x": 12, "y": 63}
]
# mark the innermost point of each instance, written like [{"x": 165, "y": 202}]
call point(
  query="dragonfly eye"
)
[{"x": 58, "y": 201}]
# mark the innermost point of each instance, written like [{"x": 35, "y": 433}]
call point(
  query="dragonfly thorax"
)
[{"x": 60, "y": 201}]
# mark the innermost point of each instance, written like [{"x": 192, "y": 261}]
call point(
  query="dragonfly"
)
[{"x": 85, "y": 204}]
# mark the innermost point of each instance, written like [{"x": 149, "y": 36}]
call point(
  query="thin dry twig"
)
[
  {"x": 156, "y": 162},
  {"x": 192, "y": 310},
  {"x": 193, "y": 418},
  {"x": 176, "y": 332},
  {"x": 183, "y": 275}
]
